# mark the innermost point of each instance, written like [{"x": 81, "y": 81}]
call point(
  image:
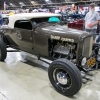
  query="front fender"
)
[{"x": 95, "y": 45}]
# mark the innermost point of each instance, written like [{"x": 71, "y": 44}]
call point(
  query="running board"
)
[{"x": 13, "y": 51}]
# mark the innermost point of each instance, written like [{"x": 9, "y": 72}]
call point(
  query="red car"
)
[{"x": 76, "y": 24}]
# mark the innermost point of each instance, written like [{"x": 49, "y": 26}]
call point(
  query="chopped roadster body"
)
[{"x": 40, "y": 34}]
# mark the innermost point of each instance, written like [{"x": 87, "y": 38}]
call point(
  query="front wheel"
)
[{"x": 65, "y": 77}]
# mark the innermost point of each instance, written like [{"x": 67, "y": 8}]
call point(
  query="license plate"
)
[{"x": 91, "y": 62}]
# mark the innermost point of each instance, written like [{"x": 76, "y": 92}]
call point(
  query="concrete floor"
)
[{"x": 29, "y": 81}]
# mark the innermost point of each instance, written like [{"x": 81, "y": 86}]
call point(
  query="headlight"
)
[
  {"x": 99, "y": 52},
  {"x": 83, "y": 61}
]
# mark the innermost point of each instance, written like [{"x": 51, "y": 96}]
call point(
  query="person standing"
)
[
  {"x": 98, "y": 38},
  {"x": 91, "y": 20},
  {"x": 86, "y": 11},
  {"x": 30, "y": 10},
  {"x": 1, "y": 19}
]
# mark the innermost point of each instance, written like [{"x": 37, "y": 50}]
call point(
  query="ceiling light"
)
[
  {"x": 11, "y": 4},
  {"x": 47, "y": 0}
]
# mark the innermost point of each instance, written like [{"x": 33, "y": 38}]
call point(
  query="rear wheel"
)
[
  {"x": 3, "y": 51},
  {"x": 65, "y": 77}
]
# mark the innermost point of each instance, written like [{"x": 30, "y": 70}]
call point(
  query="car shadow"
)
[{"x": 38, "y": 63}]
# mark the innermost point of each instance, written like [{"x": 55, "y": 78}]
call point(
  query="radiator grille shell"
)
[{"x": 87, "y": 47}]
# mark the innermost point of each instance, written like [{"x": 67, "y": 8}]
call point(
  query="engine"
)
[{"x": 59, "y": 49}]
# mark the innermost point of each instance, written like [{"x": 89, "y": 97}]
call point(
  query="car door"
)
[
  {"x": 22, "y": 35},
  {"x": 24, "y": 39}
]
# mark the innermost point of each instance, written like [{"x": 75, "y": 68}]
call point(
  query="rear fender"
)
[{"x": 3, "y": 37}]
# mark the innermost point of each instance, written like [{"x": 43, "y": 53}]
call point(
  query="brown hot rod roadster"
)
[{"x": 71, "y": 50}]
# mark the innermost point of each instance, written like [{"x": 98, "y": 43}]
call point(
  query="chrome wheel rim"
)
[{"x": 62, "y": 78}]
